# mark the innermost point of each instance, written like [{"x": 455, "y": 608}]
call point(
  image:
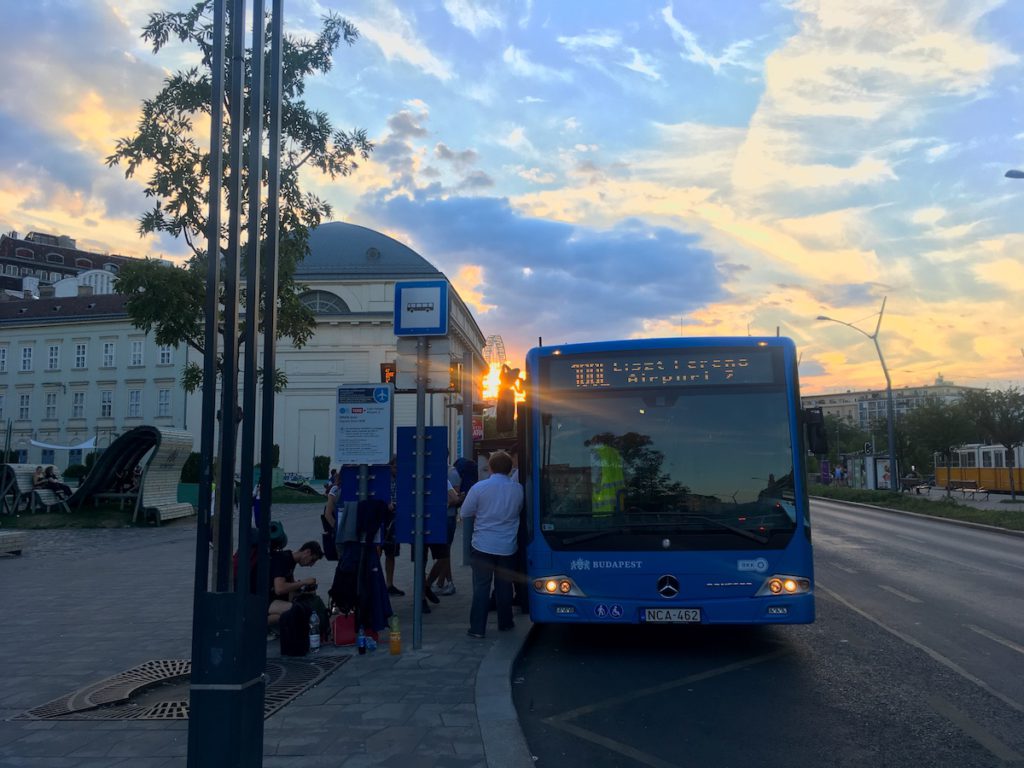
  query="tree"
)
[
  {"x": 998, "y": 415},
  {"x": 933, "y": 428},
  {"x": 167, "y": 145}
]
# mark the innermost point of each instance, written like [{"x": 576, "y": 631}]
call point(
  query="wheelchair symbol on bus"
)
[{"x": 615, "y": 611}]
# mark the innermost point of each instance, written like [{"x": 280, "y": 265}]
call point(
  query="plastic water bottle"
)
[
  {"x": 314, "y": 632},
  {"x": 394, "y": 637},
  {"x": 361, "y": 642},
  {"x": 371, "y": 643}
]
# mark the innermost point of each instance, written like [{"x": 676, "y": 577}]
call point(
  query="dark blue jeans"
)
[{"x": 488, "y": 568}]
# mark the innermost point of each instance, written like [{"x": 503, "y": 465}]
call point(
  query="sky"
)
[{"x": 585, "y": 170}]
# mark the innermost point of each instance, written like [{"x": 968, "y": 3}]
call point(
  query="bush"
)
[
  {"x": 190, "y": 470},
  {"x": 321, "y": 467},
  {"x": 74, "y": 471}
]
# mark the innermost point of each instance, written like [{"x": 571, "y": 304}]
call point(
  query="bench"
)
[
  {"x": 12, "y": 542},
  {"x": 915, "y": 484},
  {"x": 967, "y": 487},
  {"x": 158, "y": 486},
  {"x": 17, "y": 494},
  {"x": 124, "y": 500}
]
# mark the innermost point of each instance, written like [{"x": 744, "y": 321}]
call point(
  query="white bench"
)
[{"x": 17, "y": 494}]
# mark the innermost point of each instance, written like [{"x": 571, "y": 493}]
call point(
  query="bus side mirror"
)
[{"x": 817, "y": 439}]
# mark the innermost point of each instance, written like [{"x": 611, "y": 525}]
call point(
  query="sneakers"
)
[
  {"x": 446, "y": 590},
  {"x": 393, "y": 590},
  {"x": 474, "y": 635}
]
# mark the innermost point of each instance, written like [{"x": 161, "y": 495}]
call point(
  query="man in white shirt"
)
[{"x": 495, "y": 503}]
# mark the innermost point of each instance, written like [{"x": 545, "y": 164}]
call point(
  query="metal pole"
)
[{"x": 417, "y": 584}]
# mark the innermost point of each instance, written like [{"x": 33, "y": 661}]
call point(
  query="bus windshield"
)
[{"x": 666, "y": 468}]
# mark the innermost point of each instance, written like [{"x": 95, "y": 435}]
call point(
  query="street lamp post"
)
[{"x": 890, "y": 408}]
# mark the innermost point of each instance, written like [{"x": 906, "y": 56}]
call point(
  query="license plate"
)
[{"x": 672, "y": 615}]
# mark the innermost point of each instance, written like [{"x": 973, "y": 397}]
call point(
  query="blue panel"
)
[
  {"x": 379, "y": 482},
  {"x": 435, "y": 503}
]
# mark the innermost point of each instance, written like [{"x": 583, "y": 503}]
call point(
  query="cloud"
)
[
  {"x": 461, "y": 160},
  {"x": 608, "y": 39},
  {"x": 641, "y": 64},
  {"x": 392, "y": 32},
  {"x": 474, "y": 16},
  {"x": 518, "y": 63},
  {"x": 732, "y": 56},
  {"x": 563, "y": 282}
]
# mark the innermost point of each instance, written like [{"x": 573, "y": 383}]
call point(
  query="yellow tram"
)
[{"x": 984, "y": 465}]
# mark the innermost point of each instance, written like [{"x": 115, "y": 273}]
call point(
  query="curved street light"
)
[
  {"x": 1013, "y": 173},
  {"x": 890, "y": 408}
]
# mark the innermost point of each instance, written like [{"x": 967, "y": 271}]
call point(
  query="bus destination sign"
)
[{"x": 662, "y": 369}]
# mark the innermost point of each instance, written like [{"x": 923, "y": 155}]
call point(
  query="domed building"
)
[{"x": 351, "y": 273}]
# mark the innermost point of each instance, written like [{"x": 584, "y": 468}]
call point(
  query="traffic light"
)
[
  {"x": 505, "y": 410},
  {"x": 455, "y": 377},
  {"x": 387, "y": 373}
]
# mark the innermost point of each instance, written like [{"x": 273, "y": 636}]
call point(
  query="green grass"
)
[
  {"x": 89, "y": 517},
  {"x": 1012, "y": 519}
]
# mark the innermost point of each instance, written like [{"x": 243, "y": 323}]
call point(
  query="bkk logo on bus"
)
[
  {"x": 579, "y": 564},
  {"x": 760, "y": 565}
]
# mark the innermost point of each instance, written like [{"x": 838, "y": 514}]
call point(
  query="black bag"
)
[
  {"x": 328, "y": 545},
  {"x": 294, "y": 628}
]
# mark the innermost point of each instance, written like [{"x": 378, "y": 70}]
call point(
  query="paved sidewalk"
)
[{"x": 82, "y": 605}]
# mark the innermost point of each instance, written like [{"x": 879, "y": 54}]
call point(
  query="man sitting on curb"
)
[{"x": 283, "y": 586}]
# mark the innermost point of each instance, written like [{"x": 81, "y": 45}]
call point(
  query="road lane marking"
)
[
  {"x": 992, "y": 636},
  {"x": 662, "y": 687},
  {"x": 845, "y": 568},
  {"x": 943, "y": 660},
  {"x": 902, "y": 595},
  {"x": 977, "y": 732},
  {"x": 560, "y": 721},
  {"x": 614, "y": 746}
]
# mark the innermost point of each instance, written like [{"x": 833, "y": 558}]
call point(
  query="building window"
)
[
  {"x": 75, "y": 456},
  {"x": 83, "y": 263},
  {"x": 24, "y": 407},
  {"x": 25, "y": 253},
  {"x": 26, "y": 358},
  {"x": 166, "y": 354},
  {"x": 11, "y": 270},
  {"x": 111, "y": 268},
  {"x": 54, "y": 258},
  {"x": 3, "y": 359},
  {"x": 51, "y": 405},
  {"x": 106, "y": 404},
  {"x": 78, "y": 405},
  {"x": 80, "y": 355},
  {"x": 55, "y": 276},
  {"x": 135, "y": 354},
  {"x": 164, "y": 403},
  {"x": 47, "y": 456},
  {"x": 135, "y": 403},
  {"x": 324, "y": 303},
  {"x": 53, "y": 357},
  {"x": 108, "y": 354}
]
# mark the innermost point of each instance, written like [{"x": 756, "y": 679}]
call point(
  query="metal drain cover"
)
[{"x": 158, "y": 690}]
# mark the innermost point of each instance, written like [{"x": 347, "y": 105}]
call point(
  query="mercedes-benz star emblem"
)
[{"x": 668, "y": 585}]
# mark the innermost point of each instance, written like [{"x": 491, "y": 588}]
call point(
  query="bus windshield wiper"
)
[{"x": 735, "y": 529}]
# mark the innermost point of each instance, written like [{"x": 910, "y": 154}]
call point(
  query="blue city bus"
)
[{"x": 666, "y": 482}]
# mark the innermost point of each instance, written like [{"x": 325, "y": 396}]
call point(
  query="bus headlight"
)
[
  {"x": 781, "y": 584},
  {"x": 557, "y": 585}
]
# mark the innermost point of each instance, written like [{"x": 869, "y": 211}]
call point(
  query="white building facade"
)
[{"x": 72, "y": 367}]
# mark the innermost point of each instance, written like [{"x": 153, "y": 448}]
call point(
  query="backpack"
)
[
  {"x": 278, "y": 539},
  {"x": 468, "y": 474},
  {"x": 294, "y": 628}
]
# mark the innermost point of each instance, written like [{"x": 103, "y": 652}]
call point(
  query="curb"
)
[
  {"x": 908, "y": 513},
  {"x": 504, "y": 743}
]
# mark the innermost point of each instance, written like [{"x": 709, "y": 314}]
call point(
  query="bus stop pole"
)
[{"x": 421, "y": 397}]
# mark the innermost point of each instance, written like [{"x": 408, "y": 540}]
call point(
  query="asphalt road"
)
[{"x": 916, "y": 659}]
